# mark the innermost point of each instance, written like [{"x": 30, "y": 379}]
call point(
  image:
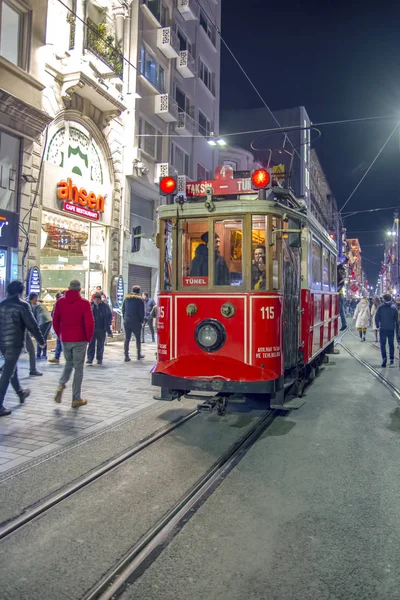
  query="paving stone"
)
[{"x": 114, "y": 391}]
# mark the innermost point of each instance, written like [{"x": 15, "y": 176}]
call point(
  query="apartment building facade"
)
[
  {"x": 177, "y": 51},
  {"x": 99, "y": 99}
]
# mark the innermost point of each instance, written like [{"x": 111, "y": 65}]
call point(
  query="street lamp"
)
[{"x": 214, "y": 141}]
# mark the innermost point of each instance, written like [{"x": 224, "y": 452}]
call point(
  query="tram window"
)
[
  {"x": 259, "y": 253},
  {"x": 266, "y": 253},
  {"x": 325, "y": 269},
  {"x": 333, "y": 272},
  {"x": 316, "y": 252},
  {"x": 228, "y": 249},
  {"x": 194, "y": 252},
  {"x": 276, "y": 249},
  {"x": 168, "y": 255}
]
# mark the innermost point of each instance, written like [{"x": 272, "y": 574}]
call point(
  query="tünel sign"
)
[
  {"x": 187, "y": 281},
  {"x": 91, "y": 204}
]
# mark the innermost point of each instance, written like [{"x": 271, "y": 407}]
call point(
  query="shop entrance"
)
[
  {"x": 71, "y": 249},
  {"x": 3, "y": 272},
  {"x": 139, "y": 275}
]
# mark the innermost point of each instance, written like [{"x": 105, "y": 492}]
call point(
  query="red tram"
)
[{"x": 247, "y": 302}]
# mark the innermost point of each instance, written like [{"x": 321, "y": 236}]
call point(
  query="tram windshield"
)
[
  {"x": 221, "y": 252},
  {"x": 226, "y": 250}
]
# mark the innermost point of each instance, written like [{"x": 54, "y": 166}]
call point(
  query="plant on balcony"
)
[{"x": 103, "y": 45}]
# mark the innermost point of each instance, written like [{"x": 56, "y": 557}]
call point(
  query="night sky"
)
[{"x": 341, "y": 60}]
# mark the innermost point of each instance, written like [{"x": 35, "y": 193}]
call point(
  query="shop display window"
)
[{"x": 71, "y": 249}]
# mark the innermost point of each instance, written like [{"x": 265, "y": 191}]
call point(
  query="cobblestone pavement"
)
[{"x": 114, "y": 390}]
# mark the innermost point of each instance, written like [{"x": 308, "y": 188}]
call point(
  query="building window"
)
[
  {"x": 182, "y": 100},
  {"x": 180, "y": 160},
  {"x": 202, "y": 173},
  {"x": 11, "y": 32},
  {"x": 150, "y": 69},
  {"x": 207, "y": 26},
  {"x": 184, "y": 43},
  {"x": 207, "y": 77},
  {"x": 152, "y": 145},
  {"x": 204, "y": 125},
  {"x": 9, "y": 167},
  {"x": 159, "y": 10}
]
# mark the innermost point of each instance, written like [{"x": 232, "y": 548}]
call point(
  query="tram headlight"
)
[{"x": 210, "y": 335}]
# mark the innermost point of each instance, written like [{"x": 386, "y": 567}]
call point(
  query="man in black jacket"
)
[
  {"x": 102, "y": 325},
  {"x": 199, "y": 265},
  {"x": 386, "y": 320},
  {"x": 15, "y": 318},
  {"x": 133, "y": 313}
]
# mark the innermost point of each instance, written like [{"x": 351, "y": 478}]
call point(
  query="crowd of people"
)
[
  {"x": 81, "y": 327},
  {"x": 380, "y": 313}
]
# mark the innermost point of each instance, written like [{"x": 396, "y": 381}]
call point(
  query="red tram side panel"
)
[
  {"x": 253, "y": 349},
  {"x": 319, "y": 323}
]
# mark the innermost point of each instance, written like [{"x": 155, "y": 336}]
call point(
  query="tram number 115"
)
[{"x": 267, "y": 312}]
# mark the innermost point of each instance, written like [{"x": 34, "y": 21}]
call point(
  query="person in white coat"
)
[
  {"x": 375, "y": 305},
  {"x": 361, "y": 317}
]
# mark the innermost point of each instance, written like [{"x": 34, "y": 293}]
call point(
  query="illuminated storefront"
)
[
  {"x": 76, "y": 212},
  {"x": 9, "y": 219}
]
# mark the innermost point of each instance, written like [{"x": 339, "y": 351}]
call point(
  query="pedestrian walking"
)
[
  {"x": 30, "y": 348},
  {"x": 58, "y": 350},
  {"x": 98, "y": 290},
  {"x": 341, "y": 273},
  {"x": 43, "y": 318},
  {"x": 149, "y": 304},
  {"x": 386, "y": 319},
  {"x": 15, "y": 318},
  {"x": 133, "y": 314},
  {"x": 361, "y": 317},
  {"x": 375, "y": 305},
  {"x": 74, "y": 324},
  {"x": 102, "y": 325}
]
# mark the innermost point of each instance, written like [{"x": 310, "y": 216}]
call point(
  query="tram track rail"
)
[
  {"x": 7, "y": 528},
  {"x": 372, "y": 344},
  {"x": 143, "y": 553},
  {"x": 393, "y": 390}
]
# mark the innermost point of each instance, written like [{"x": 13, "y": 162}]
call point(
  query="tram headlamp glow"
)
[{"x": 210, "y": 335}]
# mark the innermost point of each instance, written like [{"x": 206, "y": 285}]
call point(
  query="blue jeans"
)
[
  {"x": 341, "y": 311},
  {"x": 387, "y": 334},
  {"x": 58, "y": 351}
]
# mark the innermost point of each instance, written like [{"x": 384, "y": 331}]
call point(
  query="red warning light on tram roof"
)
[
  {"x": 260, "y": 179},
  {"x": 168, "y": 186}
]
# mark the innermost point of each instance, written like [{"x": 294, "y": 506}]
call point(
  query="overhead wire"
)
[
  {"x": 371, "y": 165},
  {"x": 248, "y": 132},
  {"x": 217, "y": 29}
]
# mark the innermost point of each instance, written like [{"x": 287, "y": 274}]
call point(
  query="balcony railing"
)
[
  {"x": 185, "y": 64},
  {"x": 168, "y": 42},
  {"x": 102, "y": 45},
  {"x": 185, "y": 123},
  {"x": 188, "y": 9},
  {"x": 166, "y": 108}
]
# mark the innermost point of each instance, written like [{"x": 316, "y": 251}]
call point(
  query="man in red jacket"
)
[{"x": 74, "y": 324}]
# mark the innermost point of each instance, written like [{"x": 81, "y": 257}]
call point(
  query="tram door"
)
[{"x": 291, "y": 315}]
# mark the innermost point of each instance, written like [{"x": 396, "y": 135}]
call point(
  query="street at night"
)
[{"x": 199, "y": 300}]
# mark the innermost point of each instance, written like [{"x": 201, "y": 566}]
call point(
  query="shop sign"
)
[
  {"x": 34, "y": 281},
  {"x": 79, "y": 201},
  {"x": 120, "y": 291},
  {"x": 117, "y": 292}
]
